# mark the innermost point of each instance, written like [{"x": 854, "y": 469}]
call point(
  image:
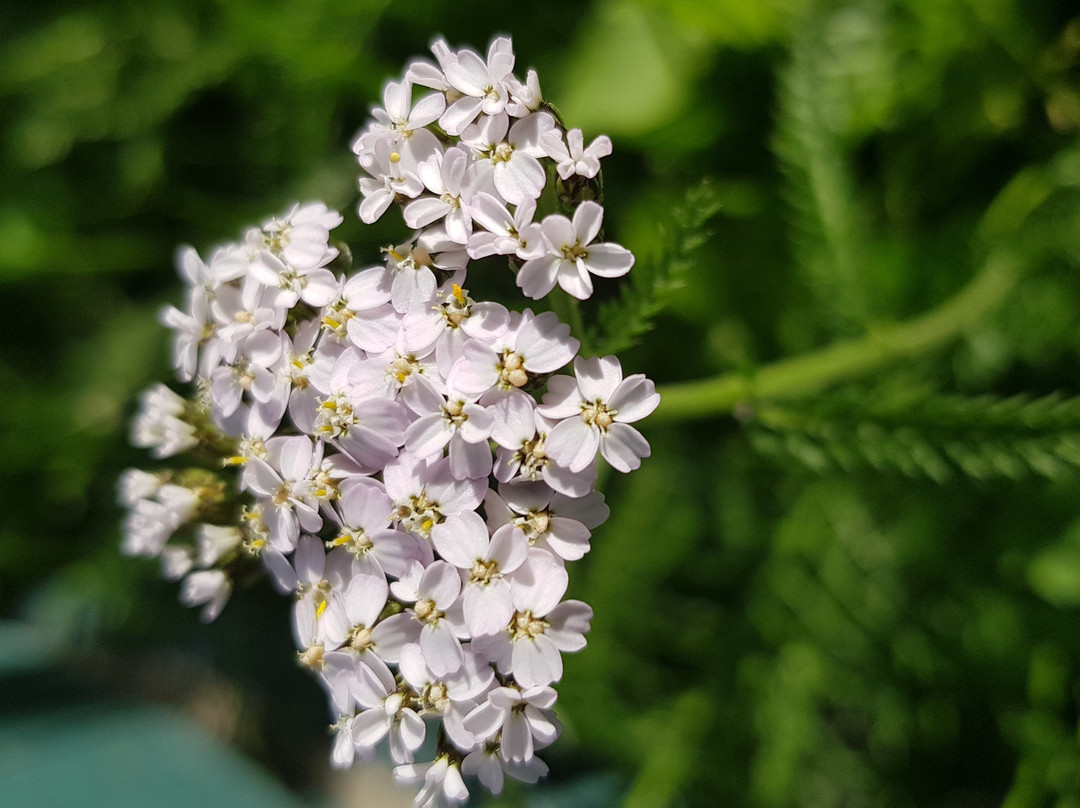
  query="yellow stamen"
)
[
  {"x": 459, "y": 294},
  {"x": 321, "y": 608}
]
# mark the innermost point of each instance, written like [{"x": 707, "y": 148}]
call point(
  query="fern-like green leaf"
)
[
  {"x": 622, "y": 322},
  {"x": 934, "y": 436},
  {"x": 813, "y": 113}
]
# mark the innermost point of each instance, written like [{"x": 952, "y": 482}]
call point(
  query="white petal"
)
[
  {"x": 623, "y": 447},
  {"x": 517, "y": 740},
  {"x": 488, "y": 607},
  {"x": 570, "y": 622},
  {"x": 634, "y": 398},
  {"x": 462, "y": 539},
  {"x": 427, "y": 436},
  {"x": 609, "y": 260},
  {"x": 573, "y": 443},
  {"x": 441, "y": 582},
  {"x": 536, "y": 662},
  {"x": 509, "y": 548},
  {"x": 537, "y": 277},
  {"x": 369, "y": 727},
  {"x": 587, "y": 221},
  {"x": 598, "y": 377},
  {"x": 412, "y": 730},
  {"x": 441, "y": 648},
  {"x": 519, "y": 178}
]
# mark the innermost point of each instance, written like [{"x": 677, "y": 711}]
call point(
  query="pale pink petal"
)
[
  {"x": 574, "y": 279},
  {"x": 519, "y": 178},
  {"x": 441, "y": 582},
  {"x": 369, "y": 727}
]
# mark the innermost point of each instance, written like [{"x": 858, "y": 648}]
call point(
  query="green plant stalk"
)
[{"x": 800, "y": 375}]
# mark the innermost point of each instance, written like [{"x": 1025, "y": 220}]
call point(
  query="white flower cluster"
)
[{"x": 392, "y": 466}]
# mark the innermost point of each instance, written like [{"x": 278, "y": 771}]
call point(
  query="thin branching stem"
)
[{"x": 796, "y": 376}]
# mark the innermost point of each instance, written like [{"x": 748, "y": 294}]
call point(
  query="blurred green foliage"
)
[{"x": 861, "y": 593}]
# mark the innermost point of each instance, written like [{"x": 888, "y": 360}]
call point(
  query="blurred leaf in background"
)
[{"x": 853, "y": 581}]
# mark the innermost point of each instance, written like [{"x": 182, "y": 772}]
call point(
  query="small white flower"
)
[
  {"x": 572, "y": 157},
  {"x": 570, "y": 257},
  {"x": 443, "y": 786},
  {"x": 464, "y": 542},
  {"x": 483, "y": 85},
  {"x": 595, "y": 413}
]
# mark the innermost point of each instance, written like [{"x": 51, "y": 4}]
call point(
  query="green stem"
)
[{"x": 800, "y": 375}]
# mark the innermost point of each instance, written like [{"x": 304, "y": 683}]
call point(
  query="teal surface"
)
[
  {"x": 66, "y": 744},
  {"x": 101, "y": 755}
]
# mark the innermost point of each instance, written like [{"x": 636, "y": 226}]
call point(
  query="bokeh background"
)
[{"x": 859, "y": 587}]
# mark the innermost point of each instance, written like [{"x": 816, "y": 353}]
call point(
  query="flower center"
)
[
  {"x": 512, "y": 371},
  {"x": 437, "y": 696},
  {"x": 243, "y": 375},
  {"x": 534, "y": 524},
  {"x": 502, "y": 153},
  {"x": 531, "y": 457},
  {"x": 337, "y": 318},
  {"x": 456, "y": 309},
  {"x": 428, "y": 612},
  {"x": 525, "y": 626},
  {"x": 453, "y": 413},
  {"x": 573, "y": 253},
  {"x": 356, "y": 541},
  {"x": 418, "y": 515},
  {"x": 598, "y": 414},
  {"x": 312, "y": 657},
  {"x": 484, "y": 571},
  {"x": 360, "y": 638},
  {"x": 402, "y": 367},
  {"x": 297, "y": 370},
  {"x": 335, "y": 416}
]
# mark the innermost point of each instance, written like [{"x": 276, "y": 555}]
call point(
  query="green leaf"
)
[
  {"x": 1054, "y": 573},
  {"x": 632, "y": 72},
  {"x": 652, "y": 281},
  {"x": 925, "y": 435}
]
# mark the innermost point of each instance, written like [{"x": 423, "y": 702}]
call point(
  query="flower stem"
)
[{"x": 795, "y": 376}]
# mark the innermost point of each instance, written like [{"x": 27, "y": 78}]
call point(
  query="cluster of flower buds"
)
[{"x": 406, "y": 461}]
